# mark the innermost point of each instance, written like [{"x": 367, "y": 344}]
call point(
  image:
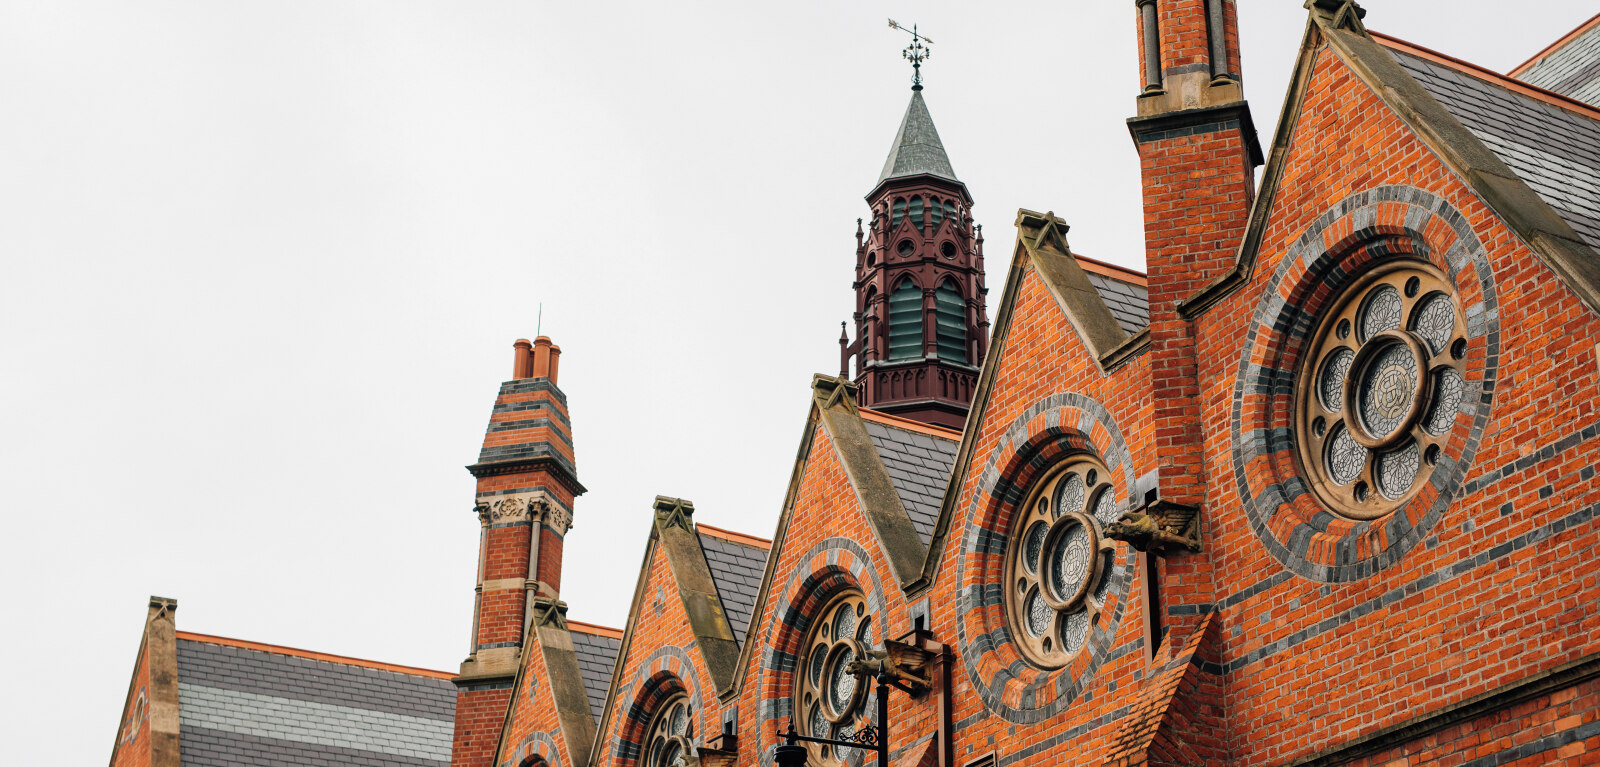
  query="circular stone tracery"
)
[
  {"x": 1058, "y": 567},
  {"x": 829, "y": 701},
  {"x": 1042, "y": 437},
  {"x": 669, "y": 743},
  {"x": 1362, "y": 397},
  {"x": 1277, "y": 410}
]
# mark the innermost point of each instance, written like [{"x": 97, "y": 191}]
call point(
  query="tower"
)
[
  {"x": 527, "y": 481},
  {"x": 921, "y": 325}
]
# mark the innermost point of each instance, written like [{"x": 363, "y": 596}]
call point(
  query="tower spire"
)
[
  {"x": 921, "y": 326},
  {"x": 915, "y": 53}
]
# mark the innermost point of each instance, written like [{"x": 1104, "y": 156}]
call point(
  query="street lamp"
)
[{"x": 874, "y": 737}]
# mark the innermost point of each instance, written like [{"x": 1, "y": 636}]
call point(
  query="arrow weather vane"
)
[{"x": 915, "y": 53}]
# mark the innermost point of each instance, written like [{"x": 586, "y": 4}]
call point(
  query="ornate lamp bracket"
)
[{"x": 1160, "y": 527}]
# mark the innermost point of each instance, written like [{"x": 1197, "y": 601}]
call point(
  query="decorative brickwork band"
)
[
  {"x": 1385, "y": 224},
  {"x": 1042, "y": 438},
  {"x": 665, "y": 673},
  {"x": 541, "y": 744}
]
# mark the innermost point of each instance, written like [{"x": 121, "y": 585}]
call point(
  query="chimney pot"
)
[
  {"x": 521, "y": 361},
  {"x": 545, "y": 355}
]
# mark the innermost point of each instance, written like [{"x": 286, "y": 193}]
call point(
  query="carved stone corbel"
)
[{"x": 1160, "y": 527}]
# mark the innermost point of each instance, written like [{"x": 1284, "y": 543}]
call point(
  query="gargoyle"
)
[
  {"x": 1161, "y": 527},
  {"x": 896, "y": 665}
]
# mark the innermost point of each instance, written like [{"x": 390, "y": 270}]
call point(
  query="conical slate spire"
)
[{"x": 917, "y": 149}]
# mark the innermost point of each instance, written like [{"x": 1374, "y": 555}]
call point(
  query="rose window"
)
[
  {"x": 1059, "y": 567},
  {"x": 828, "y": 701},
  {"x": 1380, "y": 389},
  {"x": 668, "y": 744}
]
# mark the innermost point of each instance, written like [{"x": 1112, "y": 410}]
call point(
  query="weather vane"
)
[{"x": 915, "y": 53}]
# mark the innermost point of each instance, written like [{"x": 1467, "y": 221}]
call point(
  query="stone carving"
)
[{"x": 536, "y": 506}]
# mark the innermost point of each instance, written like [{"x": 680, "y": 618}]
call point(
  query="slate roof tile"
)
[
  {"x": 737, "y": 569},
  {"x": 244, "y": 706},
  {"x": 1573, "y": 70},
  {"x": 1129, "y": 303},
  {"x": 917, "y": 148},
  {"x": 919, "y": 465},
  {"x": 1556, "y": 151},
  {"x": 597, "y": 657}
]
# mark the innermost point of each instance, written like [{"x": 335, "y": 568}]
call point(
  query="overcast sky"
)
[{"x": 264, "y": 262}]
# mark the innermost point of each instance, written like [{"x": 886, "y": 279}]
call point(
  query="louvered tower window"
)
[
  {"x": 905, "y": 322},
  {"x": 950, "y": 312}
]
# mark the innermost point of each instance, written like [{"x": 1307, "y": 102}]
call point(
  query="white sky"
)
[{"x": 264, "y": 262}]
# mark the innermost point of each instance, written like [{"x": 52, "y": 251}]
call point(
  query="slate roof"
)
[
  {"x": 597, "y": 657},
  {"x": 1573, "y": 69},
  {"x": 919, "y": 466},
  {"x": 239, "y": 706},
  {"x": 1129, "y": 302},
  {"x": 917, "y": 148},
  {"x": 737, "y": 569},
  {"x": 1555, "y": 150}
]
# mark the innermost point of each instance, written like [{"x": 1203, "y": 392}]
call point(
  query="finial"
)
[{"x": 915, "y": 53}]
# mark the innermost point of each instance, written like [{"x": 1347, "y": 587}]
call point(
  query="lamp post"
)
[{"x": 873, "y": 737}]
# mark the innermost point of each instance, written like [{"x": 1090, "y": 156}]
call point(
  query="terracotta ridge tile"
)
[
  {"x": 593, "y": 628},
  {"x": 736, "y": 537},
  {"x": 1105, "y": 269},
  {"x": 909, "y": 425}
]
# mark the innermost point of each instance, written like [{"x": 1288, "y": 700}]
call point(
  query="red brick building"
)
[{"x": 1318, "y": 489}]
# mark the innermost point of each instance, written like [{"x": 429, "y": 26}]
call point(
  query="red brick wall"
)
[
  {"x": 480, "y": 715},
  {"x": 1183, "y": 33},
  {"x": 1197, "y": 194},
  {"x": 133, "y": 731},
  {"x": 1500, "y": 589},
  {"x": 1559, "y": 728}
]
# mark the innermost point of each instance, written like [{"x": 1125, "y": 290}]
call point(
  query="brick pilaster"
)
[{"x": 1197, "y": 154}]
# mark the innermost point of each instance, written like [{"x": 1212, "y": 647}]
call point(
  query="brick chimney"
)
[
  {"x": 1198, "y": 152},
  {"x": 527, "y": 482}
]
